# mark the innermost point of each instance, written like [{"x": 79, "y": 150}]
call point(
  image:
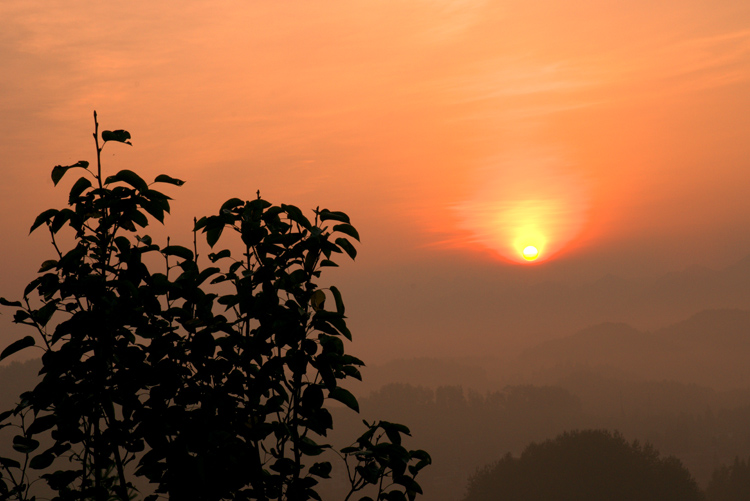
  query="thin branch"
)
[{"x": 98, "y": 152}]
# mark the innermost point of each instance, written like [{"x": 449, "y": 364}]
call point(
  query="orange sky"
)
[{"x": 612, "y": 136}]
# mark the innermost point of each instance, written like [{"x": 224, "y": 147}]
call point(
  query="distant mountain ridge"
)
[
  {"x": 672, "y": 296},
  {"x": 518, "y": 316},
  {"x": 710, "y": 348}
]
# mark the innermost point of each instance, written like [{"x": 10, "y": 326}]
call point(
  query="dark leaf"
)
[
  {"x": 218, "y": 255},
  {"x": 200, "y": 223},
  {"x": 394, "y": 431},
  {"x": 42, "y": 218},
  {"x": 24, "y": 445},
  {"x": 17, "y": 346},
  {"x": 327, "y": 262},
  {"x": 42, "y": 423},
  {"x": 312, "y": 494},
  {"x": 339, "y": 301},
  {"x": 424, "y": 460},
  {"x": 345, "y": 397},
  {"x": 179, "y": 251},
  {"x": 310, "y": 260},
  {"x": 136, "y": 217},
  {"x": 348, "y": 359},
  {"x": 43, "y": 315},
  {"x": 31, "y": 286},
  {"x": 59, "y": 171},
  {"x": 47, "y": 265},
  {"x": 21, "y": 316},
  {"x": 340, "y": 324},
  {"x": 394, "y": 496},
  {"x": 9, "y": 463},
  {"x": 213, "y": 234},
  {"x": 347, "y": 246},
  {"x": 231, "y": 204},
  {"x": 79, "y": 187},
  {"x": 322, "y": 470},
  {"x": 309, "y": 447},
  {"x": 122, "y": 243},
  {"x": 61, "y": 478},
  {"x": 347, "y": 229},
  {"x": 369, "y": 472},
  {"x": 163, "y": 178},
  {"x": 312, "y": 398},
  {"x": 129, "y": 177},
  {"x": 5, "y": 302},
  {"x": 121, "y": 136},
  {"x": 294, "y": 214},
  {"x": 60, "y": 219},
  {"x": 331, "y": 344},
  {"x": 352, "y": 372},
  {"x": 41, "y": 461},
  {"x": 155, "y": 209},
  {"x": 203, "y": 275},
  {"x": 327, "y": 215}
]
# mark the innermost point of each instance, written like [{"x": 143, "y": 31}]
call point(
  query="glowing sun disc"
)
[{"x": 530, "y": 253}]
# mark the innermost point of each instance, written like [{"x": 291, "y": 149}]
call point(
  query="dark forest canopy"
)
[
  {"x": 585, "y": 465},
  {"x": 465, "y": 429},
  {"x": 730, "y": 482}
]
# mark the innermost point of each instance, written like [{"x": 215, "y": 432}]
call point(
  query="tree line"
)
[{"x": 465, "y": 430}]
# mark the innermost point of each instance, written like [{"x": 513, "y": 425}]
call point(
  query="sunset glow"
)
[
  {"x": 515, "y": 174},
  {"x": 543, "y": 205}
]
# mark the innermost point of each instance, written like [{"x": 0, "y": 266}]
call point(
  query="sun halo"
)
[{"x": 513, "y": 209}]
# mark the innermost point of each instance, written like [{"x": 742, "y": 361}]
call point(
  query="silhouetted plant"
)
[{"x": 209, "y": 382}]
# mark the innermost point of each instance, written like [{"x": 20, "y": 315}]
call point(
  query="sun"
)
[{"x": 530, "y": 253}]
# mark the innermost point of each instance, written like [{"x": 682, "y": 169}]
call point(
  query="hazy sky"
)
[{"x": 612, "y": 136}]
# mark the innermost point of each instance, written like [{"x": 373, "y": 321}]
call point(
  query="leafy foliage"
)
[{"x": 211, "y": 383}]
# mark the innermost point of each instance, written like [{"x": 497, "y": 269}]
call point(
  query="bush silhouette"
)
[
  {"x": 209, "y": 382},
  {"x": 585, "y": 465}
]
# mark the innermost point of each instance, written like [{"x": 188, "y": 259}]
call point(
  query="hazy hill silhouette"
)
[
  {"x": 710, "y": 348},
  {"x": 427, "y": 372},
  {"x": 650, "y": 304},
  {"x": 514, "y": 314}
]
